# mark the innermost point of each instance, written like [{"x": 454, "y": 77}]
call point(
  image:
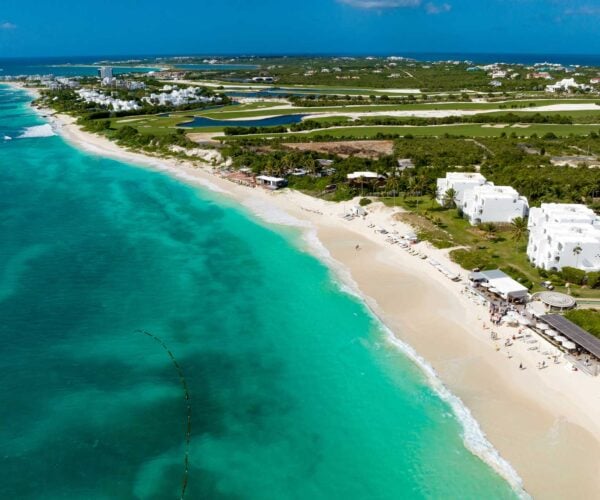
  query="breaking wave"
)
[{"x": 37, "y": 131}]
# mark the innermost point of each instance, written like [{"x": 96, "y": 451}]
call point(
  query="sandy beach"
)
[{"x": 543, "y": 422}]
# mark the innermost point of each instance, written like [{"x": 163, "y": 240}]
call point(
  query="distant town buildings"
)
[
  {"x": 108, "y": 101},
  {"x": 564, "y": 235},
  {"x": 171, "y": 95},
  {"x": 542, "y": 75}
]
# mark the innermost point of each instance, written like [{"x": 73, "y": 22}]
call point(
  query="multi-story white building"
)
[
  {"x": 564, "y": 235},
  {"x": 105, "y": 72},
  {"x": 489, "y": 203},
  {"x": 460, "y": 182}
]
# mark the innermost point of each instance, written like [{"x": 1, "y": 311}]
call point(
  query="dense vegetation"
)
[
  {"x": 68, "y": 101},
  {"x": 382, "y": 73},
  {"x": 588, "y": 319}
]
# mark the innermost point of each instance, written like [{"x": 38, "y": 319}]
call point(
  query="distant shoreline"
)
[{"x": 554, "y": 408}]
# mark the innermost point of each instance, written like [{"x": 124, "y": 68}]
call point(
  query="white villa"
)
[
  {"x": 174, "y": 96},
  {"x": 108, "y": 101},
  {"x": 564, "y": 235},
  {"x": 460, "y": 182},
  {"x": 480, "y": 200},
  {"x": 566, "y": 85},
  {"x": 489, "y": 203}
]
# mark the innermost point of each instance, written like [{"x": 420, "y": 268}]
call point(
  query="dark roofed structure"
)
[{"x": 573, "y": 332}]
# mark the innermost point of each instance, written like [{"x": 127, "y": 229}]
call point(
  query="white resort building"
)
[
  {"x": 480, "y": 200},
  {"x": 489, "y": 203},
  {"x": 460, "y": 182},
  {"x": 564, "y": 235},
  {"x": 108, "y": 101}
]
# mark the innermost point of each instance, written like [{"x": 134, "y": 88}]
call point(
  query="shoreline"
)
[{"x": 540, "y": 421}]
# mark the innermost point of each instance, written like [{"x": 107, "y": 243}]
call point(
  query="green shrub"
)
[
  {"x": 573, "y": 275},
  {"x": 593, "y": 280},
  {"x": 364, "y": 202},
  {"x": 588, "y": 319}
]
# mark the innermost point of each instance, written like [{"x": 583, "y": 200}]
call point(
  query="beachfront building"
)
[
  {"x": 489, "y": 203},
  {"x": 460, "y": 183},
  {"x": 272, "y": 183},
  {"x": 500, "y": 284},
  {"x": 564, "y": 235}
]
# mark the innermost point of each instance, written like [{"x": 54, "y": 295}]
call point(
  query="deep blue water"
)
[
  {"x": 62, "y": 67},
  {"x": 199, "y": 122}
]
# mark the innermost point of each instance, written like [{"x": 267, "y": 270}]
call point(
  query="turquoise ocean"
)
[{"x": 295, "y": 390}]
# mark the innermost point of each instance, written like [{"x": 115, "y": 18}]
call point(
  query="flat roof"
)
[
  {"x": 270, "y": 179},
  {"x": 558, "y": 300},
  {"x": 573, "y": 332},
  {"x": 501, "y": 282}
]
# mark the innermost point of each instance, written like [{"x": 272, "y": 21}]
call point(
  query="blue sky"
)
[{"x": 107, "y": 27}]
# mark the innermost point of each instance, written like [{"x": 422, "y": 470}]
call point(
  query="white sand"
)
[{"x": 545, "y": 423}]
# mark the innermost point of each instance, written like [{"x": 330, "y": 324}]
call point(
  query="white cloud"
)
[
  {"x": 432, "y": 8},
  {"x": 381, "y": 4},
  {"x": 7, "y": 26}
]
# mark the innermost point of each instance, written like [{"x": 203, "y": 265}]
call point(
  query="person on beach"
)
[{"x": 357, "y": 248}]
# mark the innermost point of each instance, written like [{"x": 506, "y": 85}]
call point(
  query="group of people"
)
[{"x": 497, "y": 312}]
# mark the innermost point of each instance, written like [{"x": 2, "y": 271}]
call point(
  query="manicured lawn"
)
[
  {"x": 468, "y": 130},
  {"x": 444, "y": 228}
]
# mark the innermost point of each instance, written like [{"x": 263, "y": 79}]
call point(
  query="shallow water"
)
[{"x": 295, "y": 391}]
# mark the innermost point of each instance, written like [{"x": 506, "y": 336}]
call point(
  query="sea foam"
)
[
  {"x": 269, "y": 213},
  {"x": 37, "y": 131},
  {"x": 473, "y": 436}
]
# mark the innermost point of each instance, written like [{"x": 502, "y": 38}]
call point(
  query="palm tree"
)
[
  {"x": 576, "y": 251},
  {"x": 518, "y": 228},
  {"x": 310, "y": 165},
  {"x": 392, "y": 185},
  {"x": 489, "y": 228},
  {"x": 449, "y": 199},
  {"x": 287, "y": 163}
]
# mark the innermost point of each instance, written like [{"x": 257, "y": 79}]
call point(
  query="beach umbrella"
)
[
  {"x": 542, "y": 326},
  {"x": 551, "y": 333},
  {"x": 524, "y": 321},
  {"x": 569, "y": 345},
  {"x": 560, "y": 338}
]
